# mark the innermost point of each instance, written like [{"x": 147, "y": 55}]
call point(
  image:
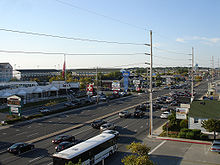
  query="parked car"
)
[
  {"x": 138, "y": 113},
  {"x": 215, "y": 146},
  {"x": 124, "y": 114},
  {"x": 18, "y": 148},
  {"x": 107, "y": 126},
  {"x": 97, "y": 123},
  {"x": 61, "y": 138},
  {"x": 116, "y": 133},
  {"x": 142, "y": 107},
  {"x": 165, "y": 115}
]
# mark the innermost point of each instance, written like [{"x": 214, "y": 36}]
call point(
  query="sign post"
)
[
  {"x": 15, "y": 104},
  {"x": 126, "y": 75}
]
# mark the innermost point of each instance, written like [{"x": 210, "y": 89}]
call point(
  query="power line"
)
[
  {"x": 171, "y": 51},
  {"x": 102, "y": 15},
  {"x": 70, "y": 54},
  {"x": 167, "y": 58},
  {"x": 70, "y": 38}
]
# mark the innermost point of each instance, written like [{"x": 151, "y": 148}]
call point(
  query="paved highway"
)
[{"x": 131, "y": 129}]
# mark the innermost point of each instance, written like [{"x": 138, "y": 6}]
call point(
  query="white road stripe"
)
[
  {"x": 126, "y": 126},
  {"x": 33, "y": 134},
  {"x": 20, "y": 133},
  {"x": 35, "y": 159},
  {"x": 50, "y": 163},
  {"x": 157, "y": 147}
]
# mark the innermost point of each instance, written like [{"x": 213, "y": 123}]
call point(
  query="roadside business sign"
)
[
  {"x": 126, "y": 75},
  {"x": 14, "y": 101},
  {"x": 15, "y": 104},
  {"x": 89, "y": 88},
  {"x": 181, "y": 113},
  {"x": 115, "y": 85},
  {"x": 136, "y": 82}
]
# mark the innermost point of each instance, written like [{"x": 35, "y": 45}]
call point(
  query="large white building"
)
[{"x": 5, "y": 72}]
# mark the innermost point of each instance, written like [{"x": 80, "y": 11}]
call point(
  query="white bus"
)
[{"x": 91, "y": 151}]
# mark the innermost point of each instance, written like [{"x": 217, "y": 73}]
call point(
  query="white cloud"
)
[
  {"x": 198, "y": 38},
  {"x": 180, "y": 40}
]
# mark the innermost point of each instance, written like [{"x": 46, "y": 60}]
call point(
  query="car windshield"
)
[{"x": 16, "y": 145}]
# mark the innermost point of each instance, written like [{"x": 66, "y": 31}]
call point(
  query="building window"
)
[{"x": 196, "y": 120}]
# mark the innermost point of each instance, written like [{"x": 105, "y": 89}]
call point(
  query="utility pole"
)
[
  {"x": 151, "y": 99},
  {"x": 192, "y": 74},
  {"x": 97, "y": 96}
]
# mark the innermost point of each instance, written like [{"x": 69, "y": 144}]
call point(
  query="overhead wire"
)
[
  {"x": 70, "y": 54},
  {"x": 102, "y": 15},
  {"x": 70, "y": 38}
]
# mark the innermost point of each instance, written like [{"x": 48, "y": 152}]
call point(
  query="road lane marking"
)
[
  {"x": 157, "y": 147},
  {"x": 126, "y": 126},
  {"x": 4, "y": 133},
  {"x": 50, "y": 163},
  {"x": 32, "y": 134},
  {"x": 80, "y": 125},
  {"x": 20, "y": 133},
  {"x": 142, "y": 126},
  {"x": 17, "y": 130},
  {"x": 29, "y": 126},
  {"x": 35, "y": 159}
]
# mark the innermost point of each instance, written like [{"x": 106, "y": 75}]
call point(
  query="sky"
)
[{"x": 177, "y": 26}]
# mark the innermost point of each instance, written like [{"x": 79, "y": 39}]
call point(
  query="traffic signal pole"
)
[{"x": 151, "y": 97}]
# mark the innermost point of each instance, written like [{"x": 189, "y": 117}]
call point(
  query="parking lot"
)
[{"x": 176, "y": 153}]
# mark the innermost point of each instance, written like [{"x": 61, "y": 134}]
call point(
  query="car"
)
[
  {"x": 18, "y": 148},
  {"x": 142, "y": 107},
  {"x": 124, "y": 114},
  {"x": 164, "y": 108},
  {"x": 44, "y": 110},
  {"x": 61, "y": 138},
  {"x": 107, "y": 126},
  {"x": 116, "y": 133},
  {"x": 174, "y": 103},
  {"x": 97, "y": 123},
  {"x": 215, "y": 146},
  {"x": 138, "y": 113},
  {"x": 63, "y": 145},
  {"x": 165, "y": 115}
]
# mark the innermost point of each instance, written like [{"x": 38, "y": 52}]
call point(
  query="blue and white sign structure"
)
[{"x": 126, "y": 75}]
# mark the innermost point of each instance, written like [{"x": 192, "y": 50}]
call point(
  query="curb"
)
[{"x": 184, "y": 140}]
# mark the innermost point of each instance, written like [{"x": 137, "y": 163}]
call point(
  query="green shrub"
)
[
  {"x": 182, "y": 135},
  {"x": 197, "y": 133},
  {"x": 184, "y": 123},
  {"x": 204, "y": 136},
  {"x": 190, "y": 135},
  {"x": 184, "y": 130}
]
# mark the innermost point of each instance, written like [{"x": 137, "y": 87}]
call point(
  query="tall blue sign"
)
[{"x": 126, "y": 75}]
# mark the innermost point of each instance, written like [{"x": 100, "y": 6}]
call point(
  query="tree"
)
[
  {"x": 139, "y": 156},
  {"x": 212, "y": 125}
]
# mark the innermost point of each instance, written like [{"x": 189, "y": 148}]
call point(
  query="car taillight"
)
[{"x": 213, "y": 148}]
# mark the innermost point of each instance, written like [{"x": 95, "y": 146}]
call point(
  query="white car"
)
[
  {"x": 107, "y": 126},
  {"x": 165, "y": 115}
]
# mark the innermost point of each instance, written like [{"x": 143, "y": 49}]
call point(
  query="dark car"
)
[
  {"x": 64, "y": 145},
  {"x": 124, "y": 114},
  {"x": 18, "y": 148},
  {"x": 97, "y": 123},
  {"x": 138, "y": 113},
  {"x": 142, "y": 107},
  {"x": 61, "y": 138}
]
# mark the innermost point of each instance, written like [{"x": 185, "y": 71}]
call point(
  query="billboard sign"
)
[
  {"x": 126, "y": 75},
  {"x": 181, "y": 113},
  {"x": 14, "y": 101},
  {"x": 115, "y": 85}
]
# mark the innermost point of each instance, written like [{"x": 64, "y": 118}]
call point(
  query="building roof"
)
[
  {"x": 205, "y": 109},
  {"x": 37, "y": 70}
]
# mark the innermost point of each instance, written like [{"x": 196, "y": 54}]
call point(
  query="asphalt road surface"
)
[{"x": 42, "y": 131}]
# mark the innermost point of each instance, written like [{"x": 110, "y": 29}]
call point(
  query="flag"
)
[{"x": 64, "y": 68}]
